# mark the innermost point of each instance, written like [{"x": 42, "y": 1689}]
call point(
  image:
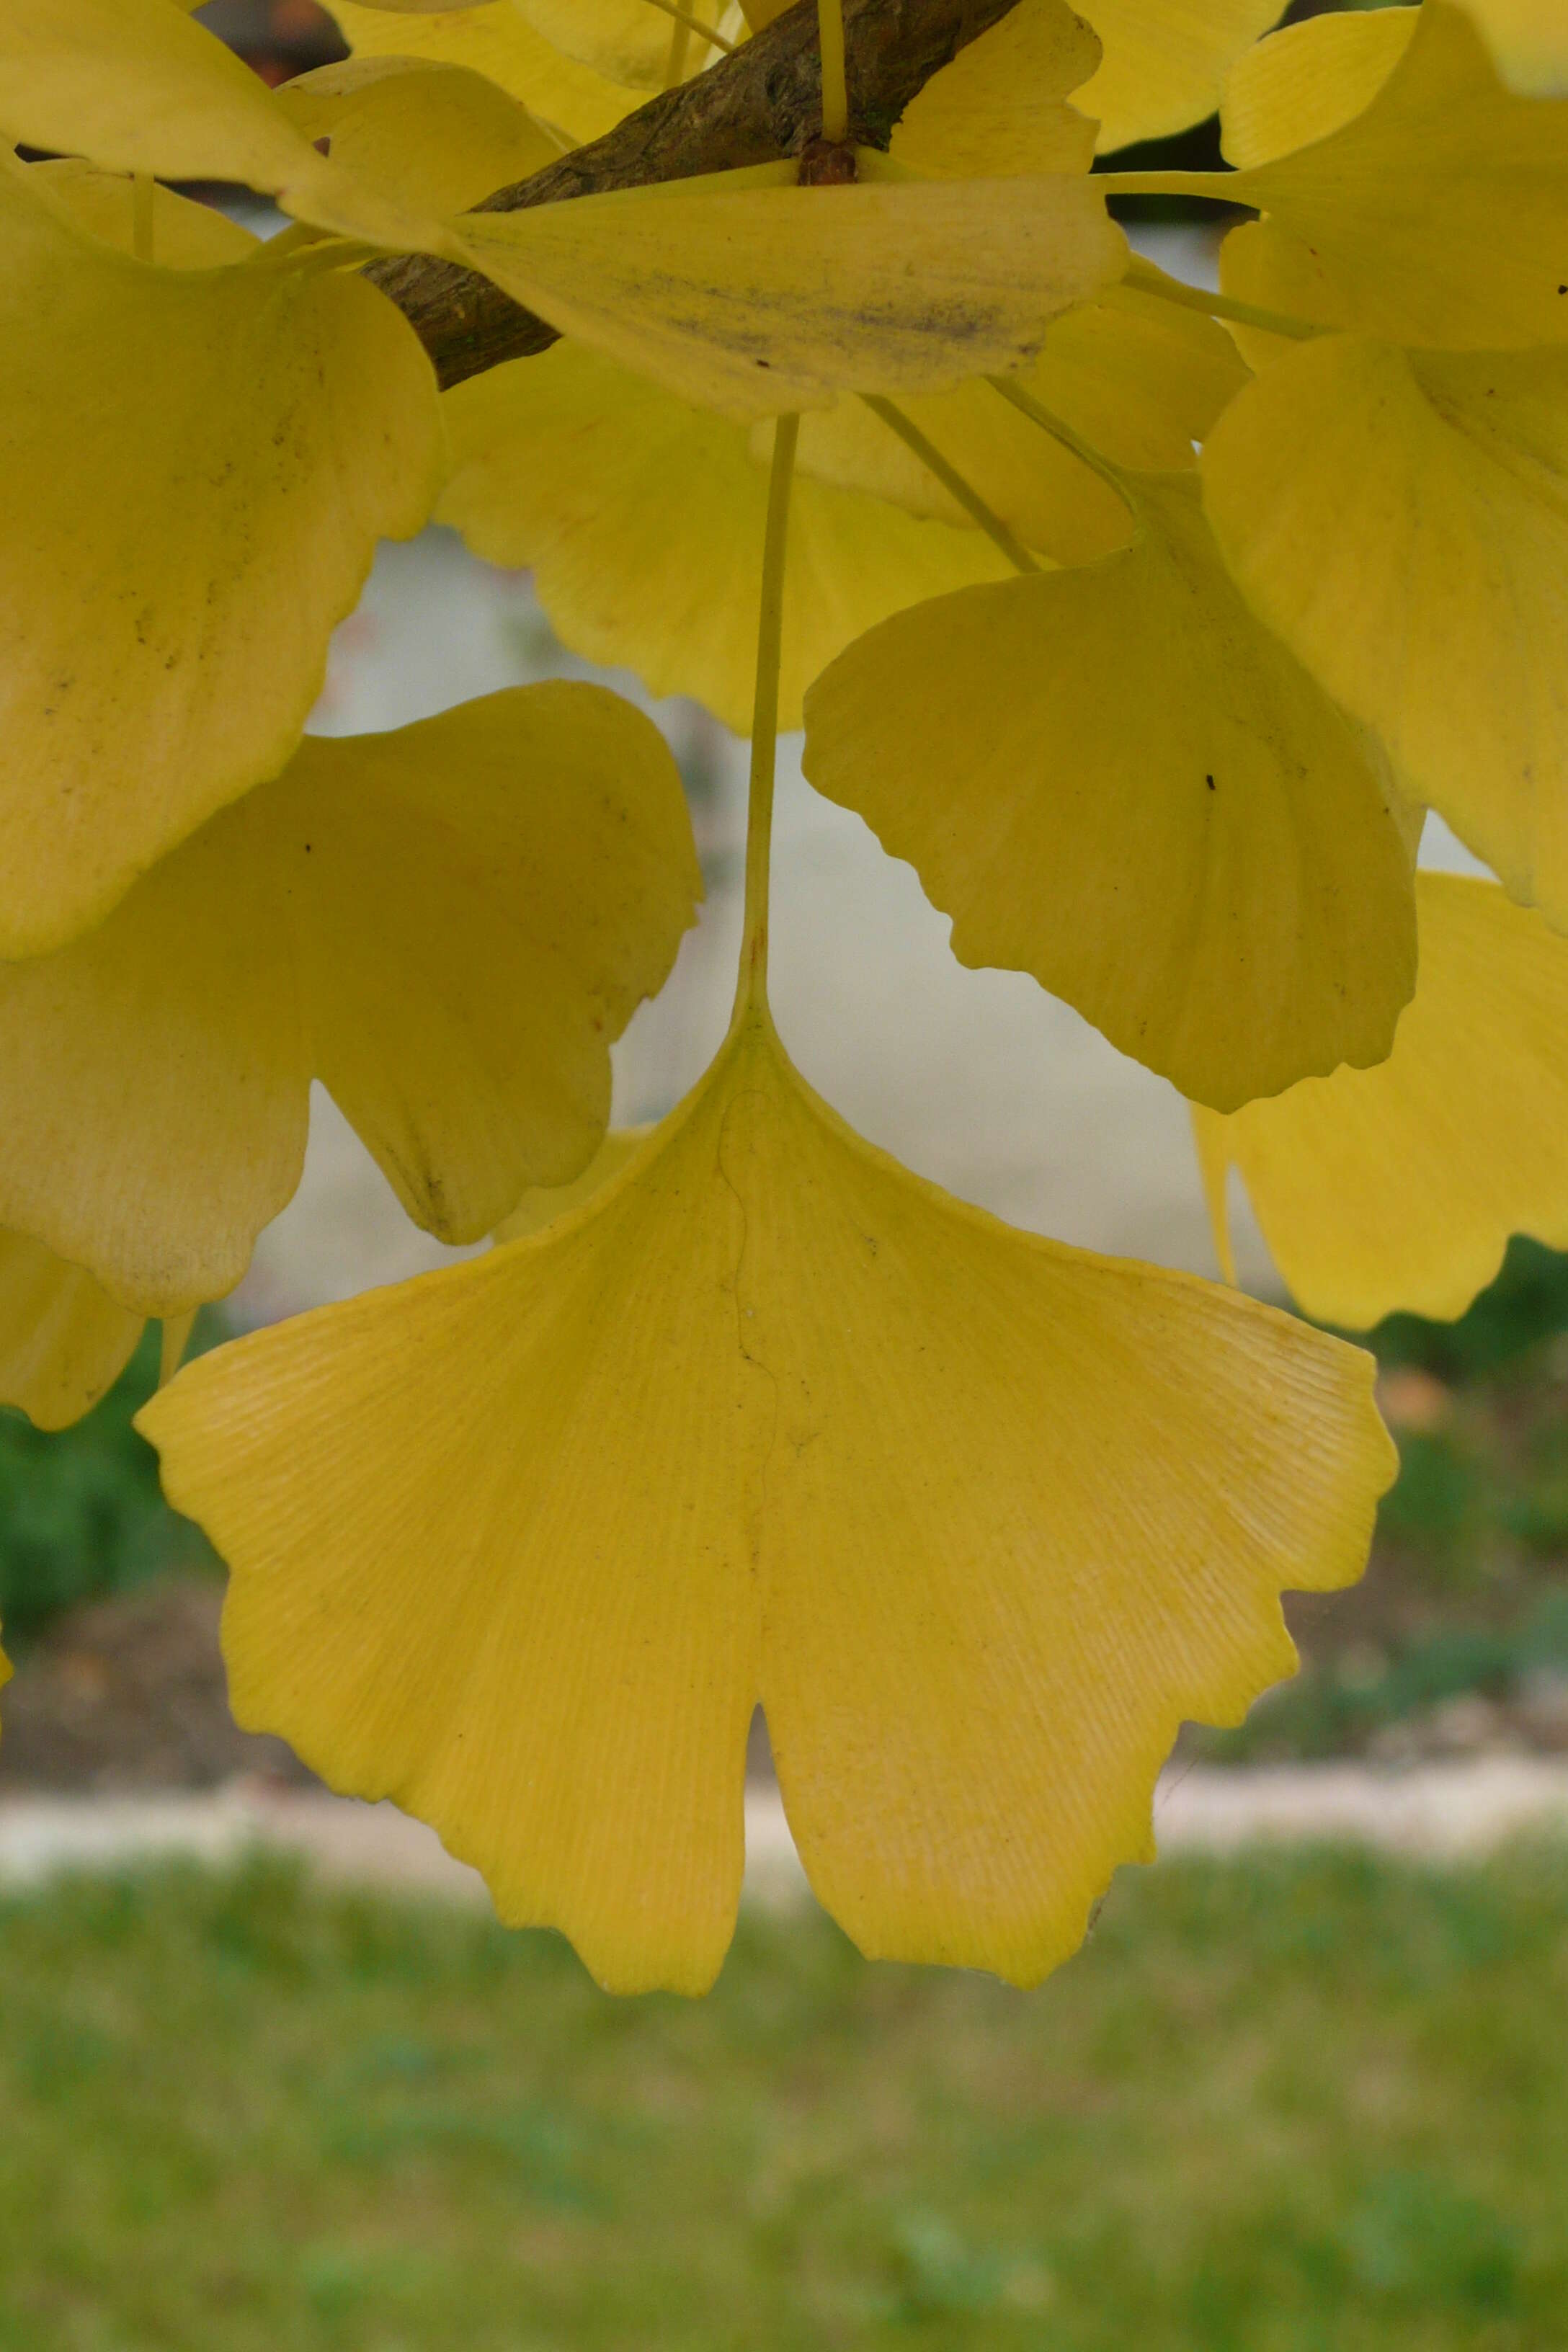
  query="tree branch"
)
[{"x": 762, "y": 102}]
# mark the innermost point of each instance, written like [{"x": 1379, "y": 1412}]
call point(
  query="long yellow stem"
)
[
  {"x": 693, "y": 24},
  {"x": 835, "y": 83},
  {"x": 1221, "y": 306},
  {"x": 679, "y": 42},
  {"x": 142, "y": 186},
  {"x": 1060, "y": 430},
  {"x": 177, "y": 1339},
  {"x": 952, "y": 482},
  {"x": 751, "y": 985}
]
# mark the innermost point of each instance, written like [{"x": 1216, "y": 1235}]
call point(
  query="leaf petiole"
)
[
  {"x": 952, "y": 482},
  {"x": 751, "y": 983},
  {"x": 694, "y": 23},
  {"x": 1060, "y": 430},
  {"x": 1217, "y": 306},
  {"x": 834, "y": 80}
]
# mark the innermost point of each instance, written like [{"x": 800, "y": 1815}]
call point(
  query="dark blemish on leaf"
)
[{"x": 1209, "y": 781}]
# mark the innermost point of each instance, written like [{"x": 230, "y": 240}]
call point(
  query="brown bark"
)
[{"x": 762, "y": 102}]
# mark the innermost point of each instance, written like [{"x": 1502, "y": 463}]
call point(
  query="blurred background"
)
[{"x": 1298, "y": 2095}]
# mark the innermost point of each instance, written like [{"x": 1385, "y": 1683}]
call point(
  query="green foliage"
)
[
  {"x": 1500, "y": 1466},
  {"x": 1438, "y": 1503},
  {"x": 80, "y": 1510},
  {"x": 1196, "y": 149},
  {"x": 1336, "y": 1708},
  {"x": 1308, "y": 2100},
  {"x": 1527, "y": 1304},
  {"x": 1472, "y": 1538},
  {"x": 1537, "y": 1516}
]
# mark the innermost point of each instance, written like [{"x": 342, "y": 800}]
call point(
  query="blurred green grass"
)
[
  {"x": 1285, "y": 2105},
  {"x": 81, "y": 1514}
]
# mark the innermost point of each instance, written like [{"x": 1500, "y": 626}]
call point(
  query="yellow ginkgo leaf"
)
[
  {"x": 1312, "y": 78},
  {"x": 155, "y": 1076},
  {"x": 440, "y": 137},
  {"x": 627, "y": 41},
  {"x": 197, "y": 467},
  {"x": 1398, "y": 1187},
  {"x": 1264, "y": 266},
  {"x": 1137, "y": 375},
  {"x": 1165, "y": 61},
  {"x": 1529, "y": 41},
  {"x": 756, "y": 300},
  {"x": 479, "y": 903},
  {"x": 641, "y": 518},
  {"x": 999, "y": 106},
  {"x": 1046, "y": 497},
  {"x": 1402, "y": 520},
  {"x": 541, "y": 1206},
  {"x": 186, "y": 235},
  {"x": 495, "y": 39},
  {"x": 64, "y": 1343},
  {"x": 447, "y": 924},
  {"x": 1112, "y": 778},
  {"x": 1437, "y": 212},
  {"x": 139, "y": 86},
  {"x": 979, "y": 1519}
]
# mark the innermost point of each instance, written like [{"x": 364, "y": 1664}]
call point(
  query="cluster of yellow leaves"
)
[{"x": 739, "y": 1411}]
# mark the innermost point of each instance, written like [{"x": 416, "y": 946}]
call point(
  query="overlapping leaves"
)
[
  {"x": 977, "y": 1519},
  {"x": 757, "y": 1415}
]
